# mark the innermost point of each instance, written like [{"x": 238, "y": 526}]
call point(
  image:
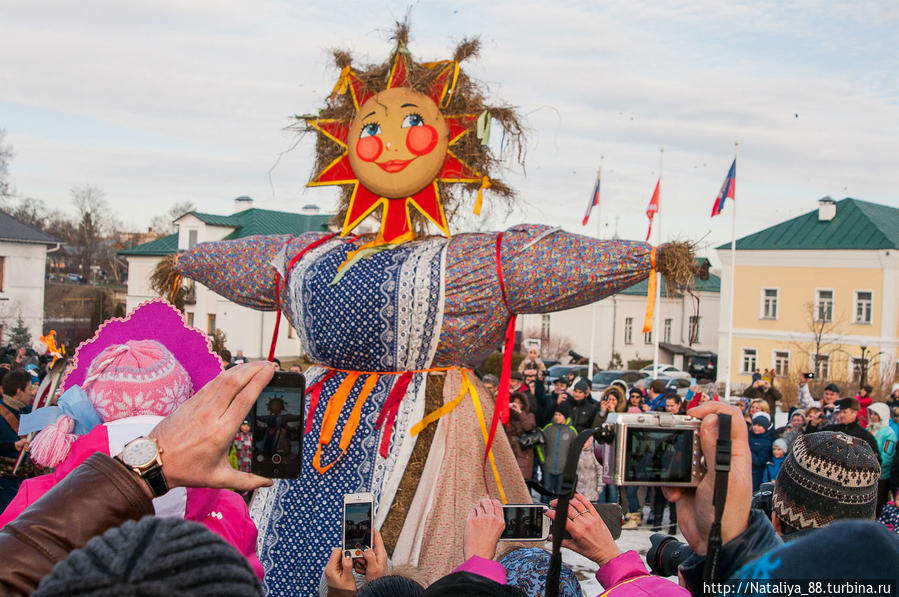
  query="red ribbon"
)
[
  {"x": 387, "y": 416},
  {"x": 315, "y": 392},
  {"x": 279, "y": 286},
  {"x": 501, "y": 408}
]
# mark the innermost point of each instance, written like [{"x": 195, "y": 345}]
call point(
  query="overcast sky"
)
[{"x": 156, "y": 102}]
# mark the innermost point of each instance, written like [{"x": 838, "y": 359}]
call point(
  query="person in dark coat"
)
[
  {"x": 18, "y": 393},
  {"x": 762, "y": 389},
  {"x": 761, "y": 441},
  {"x": 847, "y": 422},
  {"x": 582, "y": 406},
  {"x": 521, "y": 420}
]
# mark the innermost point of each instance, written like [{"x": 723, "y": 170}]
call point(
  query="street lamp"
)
[{"x": 863, "y": 363}]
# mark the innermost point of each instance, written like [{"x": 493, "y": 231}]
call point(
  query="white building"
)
[
  {"x": 23, "y": 259},
  {"x": 688, "y": 325},
  {"x": 245, "y": 329}
]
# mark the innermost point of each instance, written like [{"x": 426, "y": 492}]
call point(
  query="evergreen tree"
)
[{"x": 19, "y": 335}]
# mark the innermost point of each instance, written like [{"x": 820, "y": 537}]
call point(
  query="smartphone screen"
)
[
  {"x": 277, "y": 422},
  {"x": 524, "y": 522},
  {"x": 658, "y": 455},
  {"x": 356, "y": 526}
]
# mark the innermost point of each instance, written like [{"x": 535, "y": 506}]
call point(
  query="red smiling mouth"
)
[{"x": 394, "y": 166}]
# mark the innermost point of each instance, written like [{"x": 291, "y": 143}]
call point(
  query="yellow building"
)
[{"x": 816, "y": 293}]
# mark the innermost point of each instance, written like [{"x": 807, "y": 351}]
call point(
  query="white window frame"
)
[
  {"x": 694, "y": 331},
  {"x": 833, "y": 304},
  {"x": 855, "y": 302},
  {"x": 763, "y": 303},
  {"x": 647, "y": 337},
  {"x": 786, "y": 371},
  {"x": 628, "y": 330},
  {"x": 545, "y": 324},
  {"x": 196, "y": 237},
  {"x": 755, "y": 361},
  {"x": 666, "y": 326},
  {"x": 813, "y": 366}
]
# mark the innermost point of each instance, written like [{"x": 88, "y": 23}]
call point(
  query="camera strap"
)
[{"x": 722, "y": 471}]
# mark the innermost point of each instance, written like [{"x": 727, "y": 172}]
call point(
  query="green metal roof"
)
[
  {"x": 161, "y": 246},
  {"x": 215, "y": 219},
  {"x": 246, "y": 223},
  {"x": 858, "y": 225},
  {"x": 713, "y": 284}
]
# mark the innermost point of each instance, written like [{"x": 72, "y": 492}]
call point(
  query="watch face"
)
[{"x": 139, "y": 452}]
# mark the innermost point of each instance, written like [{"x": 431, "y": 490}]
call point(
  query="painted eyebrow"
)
[
  {"x": 409, "y": 106},
  {"x": 367, "y": 115}
]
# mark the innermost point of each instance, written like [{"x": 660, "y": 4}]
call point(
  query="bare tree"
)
[
  {"x": 93, "y": 217},
  {"x": 554, "y": 347},
  {"x": 6, "y": 155},
  {"x": 826, "y": 336},
  {"x": 164, "y": 223}
]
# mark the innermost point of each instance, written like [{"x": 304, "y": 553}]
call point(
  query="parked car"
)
[
  {"x": 557, "y": 371},
  {"x": 604, "y": 379},
  {"x": 703, "y": 367},
  {"x": 77, "y": 278},
  {"x": 664, "y": 370}
]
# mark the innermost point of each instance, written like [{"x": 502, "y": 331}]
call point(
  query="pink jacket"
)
[
  {"x": 222, "y": 512},
  {"x": 627, "y": 575}
]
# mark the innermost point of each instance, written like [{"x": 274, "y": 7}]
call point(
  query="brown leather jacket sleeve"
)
[{"x": 98, "y": 495}]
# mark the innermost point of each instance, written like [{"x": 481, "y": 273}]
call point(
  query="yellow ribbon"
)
[
  {"x": 443, "y": 410},
  {"x": 477, "y": 409},
  {"x": 485, "y": 184},
  {"x": 343, "y": 82},
  {"x": 651, "y": 294}
]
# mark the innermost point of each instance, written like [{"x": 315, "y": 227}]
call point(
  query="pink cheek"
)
[
  {"x": 421, "y": 139},
  {"x": 369, "y": 148}
]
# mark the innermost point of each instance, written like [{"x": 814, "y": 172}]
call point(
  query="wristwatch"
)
[{"x": 142, "y": 455}]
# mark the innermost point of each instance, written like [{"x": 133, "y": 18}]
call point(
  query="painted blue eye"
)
[
  {"x": 413, "y": 120},
  {"x": 370, "y": 129}
]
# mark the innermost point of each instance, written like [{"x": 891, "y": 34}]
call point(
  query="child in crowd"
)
[
  {"x": 558, "y": 437},
  {"x": 243, "y": 448},
  {"x": 779, "y": 452},
  {"x": 760, "y": 444}
]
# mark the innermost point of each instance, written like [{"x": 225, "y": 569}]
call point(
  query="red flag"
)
[
  {"x": 653, "y": 208},
  {"x": 728, "y": 189}
]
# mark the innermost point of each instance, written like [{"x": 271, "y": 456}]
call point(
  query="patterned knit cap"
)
[
  {"x": 139, "y": 377},
  {"x": 827, "y": 475}
]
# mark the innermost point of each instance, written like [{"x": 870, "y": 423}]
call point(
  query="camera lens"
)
[{"x": 666, "y": 554}]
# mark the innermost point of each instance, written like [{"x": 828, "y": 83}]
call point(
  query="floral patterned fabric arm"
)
[{"x": 241, "y": 270}]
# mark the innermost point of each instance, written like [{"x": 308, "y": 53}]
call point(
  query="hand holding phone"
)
[
  {"x": 483, "y": 528},
  {"x": 277, "y": 426}
]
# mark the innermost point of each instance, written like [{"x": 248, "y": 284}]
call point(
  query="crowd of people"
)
[{"x": 92, "y": 524}]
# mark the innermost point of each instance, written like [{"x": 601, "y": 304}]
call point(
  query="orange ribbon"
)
[{"x": 651, "y": 294}]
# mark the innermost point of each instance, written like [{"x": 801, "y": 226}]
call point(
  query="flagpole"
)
[
  {"x": 593, "y": 305},
  {"x": 733, "y": 273},
  {"x": 655, "y": 323}
]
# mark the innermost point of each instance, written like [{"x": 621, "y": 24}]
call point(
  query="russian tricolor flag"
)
[
  {"x": 728, "y": 189},
  {"x": 594, "y": 200}
]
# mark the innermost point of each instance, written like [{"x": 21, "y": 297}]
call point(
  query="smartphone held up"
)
[
  {"x": 277, "y": 426},
  {"x": 357, "y": 523}
]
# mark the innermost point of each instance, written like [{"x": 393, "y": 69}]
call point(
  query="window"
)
[
  {"x": 191, "y": 238},
  {"x": 628, "y": 330},
  {"x": 190, "y": 318},
  {"x": 647, "y": 337},
  {"x": 667, "y": 330},
  {"x": 769, "y": 303},
  {"x": 694, "y": 329},
  {"x": 210, "y": 323},
  {"x": 863, "y": 301},
  {"x": 544, "y": 326},
  {"x": 821, "y": 363},
  {"x": 858, "y": 369},
  {"x": 781, "y": 362},
  {"x": 824, "y": 305},
  {"x": 749, "y": 361}
]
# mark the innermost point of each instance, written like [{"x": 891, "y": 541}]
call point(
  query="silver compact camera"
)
[{"x": 653, "y": 448}]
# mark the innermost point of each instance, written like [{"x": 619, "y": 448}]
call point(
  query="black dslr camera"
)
[{"x": 666, "y": 554}]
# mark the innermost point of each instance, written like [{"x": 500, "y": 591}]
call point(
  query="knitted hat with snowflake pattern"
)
[
  {"x": 139, "y": 377},
  {"x": 826, "y": 476}
]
